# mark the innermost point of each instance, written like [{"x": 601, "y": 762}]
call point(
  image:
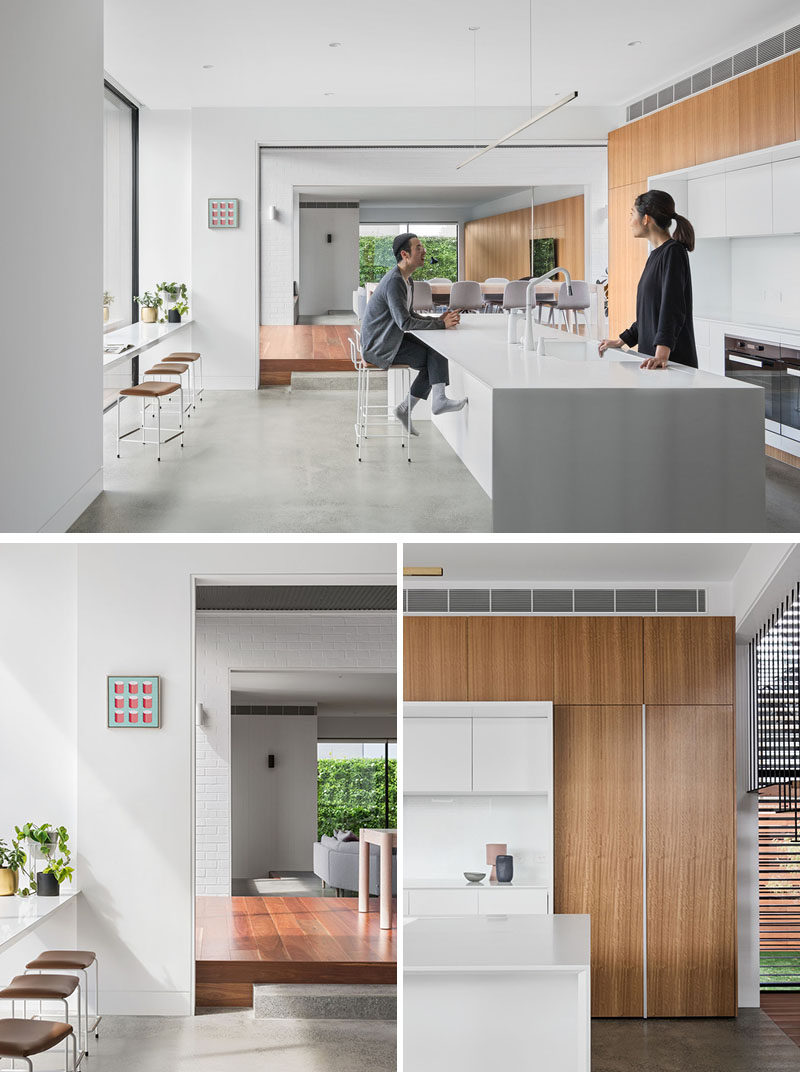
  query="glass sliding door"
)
[
  {"x": 376, "y": 257},
  {"x": 356, "y": 785}
]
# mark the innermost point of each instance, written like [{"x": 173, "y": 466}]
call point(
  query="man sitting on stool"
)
[{"x": 387, "y": 318}]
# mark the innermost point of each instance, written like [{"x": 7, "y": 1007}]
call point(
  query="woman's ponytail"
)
[
  {"x": 684, "y": 232},
  {"x": 660, "y": 207}
]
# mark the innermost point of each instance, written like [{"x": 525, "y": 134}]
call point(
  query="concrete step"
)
[
  {"x": 324, "y": 1001},
  {"x": 335, "y": 381}
]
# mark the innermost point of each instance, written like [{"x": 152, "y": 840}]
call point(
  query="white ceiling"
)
[
  {"x": 586, "y": 562},
  {"x": 335, "y": 692},
  {"x": 417, "y": 53}
]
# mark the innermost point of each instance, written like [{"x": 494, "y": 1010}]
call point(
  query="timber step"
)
[{"x": 321, "y": 1001}]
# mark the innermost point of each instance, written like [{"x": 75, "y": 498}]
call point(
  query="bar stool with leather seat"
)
[
  {"x": 381, "y": 413},
  {"x": 22, "y": 1039},
  {"x": 155, "y": 390},
  {"x": 69, "y": 960},
  {"x": 175, "y": 368},
  {"x": 192, "y": 356},
  {"x": 41, "y": 988}
]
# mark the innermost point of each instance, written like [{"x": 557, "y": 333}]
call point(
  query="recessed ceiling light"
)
[
  {"x": 631, "y": 44},
  {"x": 473, "y": 27},
  {"x": 207, "y": 66},
  {"x": 327, "y": 94},
  {"x": 334, "y": 44}
]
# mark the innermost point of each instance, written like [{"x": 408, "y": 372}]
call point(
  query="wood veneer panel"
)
[
  {"x": 510, "y": 658},
  {"x": 716, "y": 122},
  {"x": 598, "y": 661},
  {"x": 435, "y": 658},
  {"x": 498, "y": 246},
  {"x": 691, "y": 861},
  {"x": 796, "y": 75},
  {"x": 676, "y": 143},
  {"x": 619, "y": 157},
  {"x": 626, "y": 258},
  {"x": 689, "y": 660},
  {"x": 766, "y": 106},
  {"x": 645, "y": 150},
  {"x": 597, "y": 794}
]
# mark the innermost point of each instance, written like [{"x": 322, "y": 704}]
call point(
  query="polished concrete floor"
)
[
  {"x": 284, "y": 461},
  {"x": 750, "y": 1043},
  {"x": 234, "y": 1040}
]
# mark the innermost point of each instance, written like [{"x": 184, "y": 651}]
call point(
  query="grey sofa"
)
[{"x": 336, "y": 863}]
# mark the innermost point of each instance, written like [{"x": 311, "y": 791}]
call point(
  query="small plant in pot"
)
[
  {"x": 175, "y": 295},
  {"x": 150, "y": 304},
  {"x": 51, "y": 843},
  {"x": 108, "y": 300},
  {"x": 12, "y": 860}
]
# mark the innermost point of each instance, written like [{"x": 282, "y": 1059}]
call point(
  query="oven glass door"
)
[
  {"x": 762, "y": 372},
  {"x": 790, "y": 402}
]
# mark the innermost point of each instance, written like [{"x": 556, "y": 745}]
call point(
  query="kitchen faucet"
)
[{"x": 528, "y": 343}]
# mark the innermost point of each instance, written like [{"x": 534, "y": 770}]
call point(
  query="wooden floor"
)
[
  {"x": 784, "y": 1010},
  {"x": 302, "y": 348},
  {"x": 246, "y": 940}
]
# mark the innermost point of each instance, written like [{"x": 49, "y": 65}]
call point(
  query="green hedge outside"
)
[
  {"x": 376, "y": 258},
  {"x": 350, "y": 794}
]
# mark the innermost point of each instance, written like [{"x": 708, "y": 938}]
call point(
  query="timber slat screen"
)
[{"x": 774, "y": 773}]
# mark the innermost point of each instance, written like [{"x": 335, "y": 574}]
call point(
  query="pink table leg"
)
[
  {"x": 363, "y": 873},
  {"x": 386, "y": 882}
]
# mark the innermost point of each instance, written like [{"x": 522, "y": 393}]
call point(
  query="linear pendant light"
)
[
  {"x": 422, "y": 571},
  {"x": 528, "y": 122}
]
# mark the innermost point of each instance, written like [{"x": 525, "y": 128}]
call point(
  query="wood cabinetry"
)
[
  {"x": 766, "y": 106},
  {"x": 716, "y": 124},
  {"x": 435, "y": 658},
  {"x": 597, "y": 786},
  {"x": 689, "y": 660},
  {"x": 691, "y": 862},
  {"x": 510, "y": 658},
  {"x": 626, "y": 258},
  {"x": 598, "y": 661}
]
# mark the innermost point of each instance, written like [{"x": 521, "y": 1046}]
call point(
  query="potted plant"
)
[
  {"x": 176, "y": 294},
  {"x": 11, "y": 861},
  {"x": 107, "y": 302},
  {"x": 150, "y": 304},
  {"x": 52, "y": 844}
]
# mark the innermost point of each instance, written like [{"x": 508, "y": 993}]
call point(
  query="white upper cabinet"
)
[
  {"x": 786, "y": 196},
  {"x": 748, "y": 201},
  {"x": 707, "y": 206},
  {"x": 511, "y": 755},
  {"x": 437, "y": 755}
]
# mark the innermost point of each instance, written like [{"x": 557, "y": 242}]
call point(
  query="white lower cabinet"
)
[{"x": 481, "y": 901}]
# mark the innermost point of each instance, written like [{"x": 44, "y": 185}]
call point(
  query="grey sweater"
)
[{"x": 387, "y": 317}]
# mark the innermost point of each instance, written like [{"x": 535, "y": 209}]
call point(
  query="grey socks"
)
[
  {"x": 440, "y": 403},
  {"x": 402, "y": 414}
]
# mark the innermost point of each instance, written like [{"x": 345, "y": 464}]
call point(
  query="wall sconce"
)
[
  {"x": 272, "y": 212},
  {"x": 199, "y": 714},
  {"x": 330, "y": 238},
  {"x": 270, "y": 760}
]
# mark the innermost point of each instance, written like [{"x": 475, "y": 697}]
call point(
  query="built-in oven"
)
[
  {"x": 790, "y": 393},
  {"x": 761, "y": 364}
]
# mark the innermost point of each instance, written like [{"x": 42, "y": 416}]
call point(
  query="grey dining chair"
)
[
  {"x": 577, "y": 302},
  {"x": 423, "y": 297},
  {"x": 466, "y": 295}
]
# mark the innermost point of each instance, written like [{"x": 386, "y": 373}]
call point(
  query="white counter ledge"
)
[
  {"x": 524, "y": 882},
  {"x": 21, "y": 914},
  {"x": 488, "y": 990},
  {"x": 141, "y": 337},
  {"x": 583, "y": 443}
]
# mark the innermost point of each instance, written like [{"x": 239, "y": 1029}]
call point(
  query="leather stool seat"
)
[
  {"x": 151, "y": 389},
  {"x": 183, "y": 355},
  {"x": 174, "y": 367},
  {"x": 63, "y": 959},
  {"x": 22, "y": 1038},
  {"x": 39, "y": 987}
]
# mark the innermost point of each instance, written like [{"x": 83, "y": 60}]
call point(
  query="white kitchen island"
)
[
  {"x": 572, "y": 442},
  {"x": 496, "y": 992}
]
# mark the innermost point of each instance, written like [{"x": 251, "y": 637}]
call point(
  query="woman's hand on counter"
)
[
  {"x": 659, "y": 360},
  {"x": 606, "y": 344}
]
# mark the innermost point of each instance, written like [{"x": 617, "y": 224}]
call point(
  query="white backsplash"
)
[
  {"x": 444, "y": 836},
  {"x": 765, "y": 281}
]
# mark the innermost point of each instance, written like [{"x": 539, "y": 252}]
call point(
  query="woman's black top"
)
[{"x": 664, "y": 305}]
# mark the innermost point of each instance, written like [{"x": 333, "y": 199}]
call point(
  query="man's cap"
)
[{"x": 401, "y": 241}]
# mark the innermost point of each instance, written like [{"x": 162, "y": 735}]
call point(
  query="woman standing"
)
[{"x": 663, "y": 325}]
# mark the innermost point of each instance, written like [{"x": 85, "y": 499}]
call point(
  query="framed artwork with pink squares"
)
[
  {"x": 134, "y": 702},
  {"x": 223, "y": 212}
]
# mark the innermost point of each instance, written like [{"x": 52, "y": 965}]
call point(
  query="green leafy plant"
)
[
  {"x": 13, "y": 856},
  {"x": 53, "y": 845},
  {"x": 148, "y": 300},
  {"x": 350, "y": 794},
  {"x": 107, "y": 298},
  {"x": 181, "y": 308},
  {"x": 376, "y": 258},
  {"x": 175, "y": 295}
]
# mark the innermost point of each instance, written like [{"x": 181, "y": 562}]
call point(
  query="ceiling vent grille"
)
[
  {"x": 258, "y": 598},
  {"x": 511, "y": 600},
  {"x": 730, "y": 67},
  {"x": 273, "y": 709},
  {"x": 554, "y": 601},
  {"x": 329, "y": 204}
]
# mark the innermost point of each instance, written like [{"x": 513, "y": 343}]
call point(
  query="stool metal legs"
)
[{"x": 144, "y": 441}]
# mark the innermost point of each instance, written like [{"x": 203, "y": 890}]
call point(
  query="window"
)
[
  {"x": 120, "y": 224},
  {"x": 356, "y": 785},
  {"x": 376, "y": 257}
]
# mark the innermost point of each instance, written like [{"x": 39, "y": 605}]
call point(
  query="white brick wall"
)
[{"x": 262, "y": 642}]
